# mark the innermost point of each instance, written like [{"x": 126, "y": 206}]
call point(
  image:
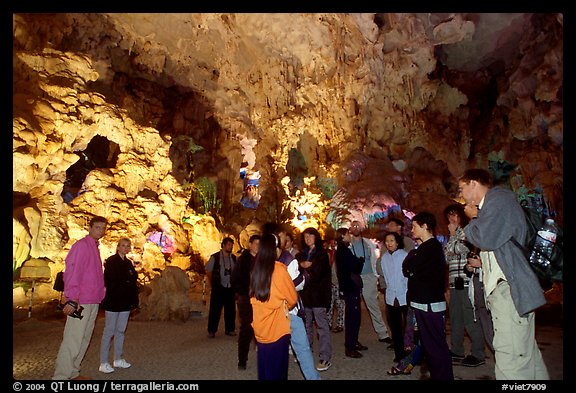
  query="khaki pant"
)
[
  {"x": 516, "y": 350},
  {"x": 370, "y": 296},
  {"x": 77, "y": 335}
]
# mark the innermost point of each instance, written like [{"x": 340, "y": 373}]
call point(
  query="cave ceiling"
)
[{"x": 352, "y": 115}]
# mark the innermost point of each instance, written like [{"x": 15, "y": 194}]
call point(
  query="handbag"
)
[{"x": 59, "y": 282}]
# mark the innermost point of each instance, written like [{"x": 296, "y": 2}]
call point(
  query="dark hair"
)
[
  {"x": 254, "y": 237},
  {"x": 318, "y": 242},
  {"x": 340, "y": 233},
  {"x": 227, "y": 239},
  {"x": 275, "y": 228},
  {"x": 96, "y": 219},
  {"x": 261, "y": 274},
  {"x": 395, "y": 220},
  {"x": 482, "y": 176},
  {"x": 459, "y": 210},
  {"x": 426, "y": 218},
  {"x": 399, "y": 239}
]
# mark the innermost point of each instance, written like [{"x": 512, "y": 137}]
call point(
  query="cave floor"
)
[{"x": 182, "y": 351}]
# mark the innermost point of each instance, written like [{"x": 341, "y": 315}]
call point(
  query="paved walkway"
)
[{"x": 181, "y": 351}]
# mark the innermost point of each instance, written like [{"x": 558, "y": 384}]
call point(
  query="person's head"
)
[
  {"x": 423, "y": 225},
  {"x": 254, "y": 244},
  {"x": 280, "y": 230},
  {"x": 395, "y": 225},
  {"x": 261, "y": 274},
  {"x": 454, "y": 214},
  {"x": 311, "y": 238},
  {"x": 123, "y": 247},
  {"x": 393, "y": 241},
  {"x": 227, "y": 244},
  {"x": 97, "y": 227},
  {"x": 343, "y": 235},
  {"x": 474, "y": 184},
  {"x": 289, "y": 241},
  {"x": 356, "y": 228}
]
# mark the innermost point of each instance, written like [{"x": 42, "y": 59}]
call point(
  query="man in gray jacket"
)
[{"x": 512, "y": 289}]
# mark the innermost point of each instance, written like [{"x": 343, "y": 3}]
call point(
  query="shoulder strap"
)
[{"x": 524, "y": 250}]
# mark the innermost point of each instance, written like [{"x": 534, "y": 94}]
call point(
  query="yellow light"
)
[{"x": 308, "y": 206}]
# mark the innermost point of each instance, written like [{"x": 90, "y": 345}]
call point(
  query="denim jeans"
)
[
  {"x": 301, "y": 348},
  {"x": 114, "y": 326}
]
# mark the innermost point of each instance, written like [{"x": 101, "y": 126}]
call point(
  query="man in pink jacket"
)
[{"x": 83, "y": 284}]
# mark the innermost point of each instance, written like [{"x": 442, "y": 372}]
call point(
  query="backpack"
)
[{"x": 535, "y": 220}]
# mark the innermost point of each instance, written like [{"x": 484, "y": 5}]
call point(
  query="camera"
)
[
  {"x": 77, "y": 309},
  {"x": 227, "y": 272},
  {"x": 361, "y": 259},
  {"x": 472, "y": 255},
  {"x": 459, "y": 283}
]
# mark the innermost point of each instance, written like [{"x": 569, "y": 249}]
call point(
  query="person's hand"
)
[
  {"x": 69, "y": 309},
  {"x": 471, "y": 210},
  {"x": 452, "y": 228},
  {"x": 474, "y": 261},
  {"x": 305, "y": 264}
]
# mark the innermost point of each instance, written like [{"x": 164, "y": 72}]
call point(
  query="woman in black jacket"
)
[
  {"x": 317, "y": 293},
  {"x": 120, "y": 279},
  {"x": 425, "y": 268}
]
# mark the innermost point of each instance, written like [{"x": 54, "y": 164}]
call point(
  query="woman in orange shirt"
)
[{"x": 272, "y": 295}]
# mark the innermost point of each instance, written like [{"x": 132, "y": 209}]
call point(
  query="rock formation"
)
[{"x": 147, "y": 119}]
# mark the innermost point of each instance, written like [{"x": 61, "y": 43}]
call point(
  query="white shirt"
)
[
  {"x": 294, "y": 272},
  {"x": 491, "y": 271},
  {"x": 396, "y": 282}
]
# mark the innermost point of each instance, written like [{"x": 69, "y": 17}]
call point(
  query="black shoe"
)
[
  {"x": 353, "y": 354},
  {"x": 211, "y": 335},
  {"x": 241, "y": 366},
  {"x": 231, "y": 333},
  {"x": 472, "y": 361},
  {"x": 386, "y": 340},
  {"x": 456, "y": 359},
  {"x": 360, "y": 347}
]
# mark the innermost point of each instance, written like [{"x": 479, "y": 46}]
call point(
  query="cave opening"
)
[{"x": 100, "y": 153}]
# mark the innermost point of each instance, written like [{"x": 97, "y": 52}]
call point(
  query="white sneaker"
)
[
  {"x": 105, "y": 368},
  {"x": 121, "y": 363}
]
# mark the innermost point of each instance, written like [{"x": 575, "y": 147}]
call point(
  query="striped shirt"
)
[{"x": 456, "y": 252}]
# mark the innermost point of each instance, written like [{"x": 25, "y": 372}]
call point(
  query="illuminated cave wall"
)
[{"x": 341, "y": 116}]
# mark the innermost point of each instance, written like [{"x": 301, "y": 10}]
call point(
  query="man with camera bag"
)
[
  {"x": 461, "y": 310},
  {"x": 366, "y": 250},
  {"x": 219, "y": 270},
  {"x": 83, "y": 290}
]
